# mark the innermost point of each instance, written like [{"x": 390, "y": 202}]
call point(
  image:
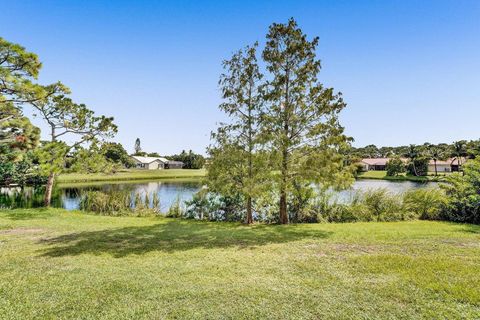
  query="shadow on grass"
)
[
  {"x": 27, "y": 214},
  {"x": 471, "y": 228},
  {"x": 173, "y": 236}
]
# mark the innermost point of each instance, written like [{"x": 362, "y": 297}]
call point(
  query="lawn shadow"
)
[
  {"x": 471, "y": 228},
  {"x": 26, "y": 214},
  {"x": 173, "y": 236}
]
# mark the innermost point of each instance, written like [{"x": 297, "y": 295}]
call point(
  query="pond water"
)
[{"x": 68, "y": 196}]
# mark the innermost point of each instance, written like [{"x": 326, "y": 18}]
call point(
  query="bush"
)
[
  {"x": 206, "y": 205},
  {"x": 418, "y": 167},
  {"x": 463, "y": 194},
  {"x": 394, "y": 167},
  {"x": 382, "y": 205},
  {"x": 176, "y": 209},
  {"x": 424, "y": 204}
]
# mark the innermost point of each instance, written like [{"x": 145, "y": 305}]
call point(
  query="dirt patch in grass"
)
[{"x": 21, "y": 231}]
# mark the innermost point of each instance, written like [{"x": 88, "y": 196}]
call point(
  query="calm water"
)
[{"x": 68, "y": 197}]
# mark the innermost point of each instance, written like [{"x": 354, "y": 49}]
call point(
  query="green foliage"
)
[
  {"x": 176, "y": 210},
  {"x": 18, "y": 169},
  {"x": 117, "y": 153},
  {"x": 395, "y": 166},
  {"x": 112, "y": 203},
  {"x": 66, "y": 118},
  {"x": 426, "y": 204},
  {"x": 190, "y": 159},
  {"x": 119, "y": 203},
  {"x": 18, "y": 70},
  {"x": 301, "y": 117},
  {"x": 92, "y": 160},
  {"x": 284, "y": 129},
  {"x": 418, "y": 166},
  {"x": 16, "y": 131},
  {"x": 463, "y": 194}
]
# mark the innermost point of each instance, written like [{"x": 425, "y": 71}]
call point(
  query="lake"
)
[{"x": 68, "y": 196}]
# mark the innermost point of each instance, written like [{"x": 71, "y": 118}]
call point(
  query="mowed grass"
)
[
  {"x": 374, "y": 174},
  {"x": 126, "y": 175},
  {"x": 69, "y": 265}
]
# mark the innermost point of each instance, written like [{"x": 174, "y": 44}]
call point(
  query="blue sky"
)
[{"x": 409, "y": 70}]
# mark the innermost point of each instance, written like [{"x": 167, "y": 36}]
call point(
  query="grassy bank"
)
[
  {"x": 55, "y": 264},
  {"x": 133, "y": 175},
  {"x": 382, "y": 175}
]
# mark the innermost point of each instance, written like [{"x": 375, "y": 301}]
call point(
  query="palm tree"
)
[
  {"x": 459, "y": 151},
  {"x": 412, "y": 154},
  {"x": 434, "y": 154}
]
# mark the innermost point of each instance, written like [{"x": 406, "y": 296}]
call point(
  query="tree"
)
[
  {"x": 16, "y": 131},
  {"x": 137, "y": 148},
  {"x": 395, "y": 166},
  {"x": 17, "y": 137},
  {"x": 153, "y": 154},
  {"x": 435, "y": 154},
  {"x": 66, "y": 118},
  {"x": 301, "y": 116},
  {"x": 92, "y": 160},
  {"x": 117, "y": 153},
  {"x": 18, "y": 70},
  {"x": 463, "y": 194},
  {"x": 413, "y": 154},
  {"x": 459, "y": 151},
  {"x": 190, "y": 159},
  {"x": 235, "y": 157}
]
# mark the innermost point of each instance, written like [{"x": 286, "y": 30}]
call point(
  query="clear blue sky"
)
[{"x": 409, "y": 70}]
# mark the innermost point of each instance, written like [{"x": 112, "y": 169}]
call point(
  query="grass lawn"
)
[
  {"x": 133, "y": 175},
  {"x": 63, "y": 265},
  {"x": 383, "y": 176}
]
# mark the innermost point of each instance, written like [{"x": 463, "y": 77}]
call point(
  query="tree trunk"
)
[
  {"x": 249, "y": 210},
  {"x": 49, "y": 189},
  {"x": 435, "y": 162},
  {"x": 283, "y": 189}
]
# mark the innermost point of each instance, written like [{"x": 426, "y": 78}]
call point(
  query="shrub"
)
[
  {"x": 206, "y": 205},
  {"x": 176, "y": 209},
  {"x": 463, "y": 194},
  {"x": 382, "y": 205},
  {"x": 394, "y": 167},
  {"x": 418, "y": 167},
  {"x": 424, "y": 203}
]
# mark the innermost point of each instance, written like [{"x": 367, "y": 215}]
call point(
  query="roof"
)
[
  {"x": 149, "y": 159},
  {"x": 375, "y": 161},
  {"x": 449, "y": 161},
  {"x": 441, "y": 162}
]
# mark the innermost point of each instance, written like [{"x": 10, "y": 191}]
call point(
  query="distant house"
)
[
  {"x": 174, "y": 164},
  {"x": 379, "y": 164},
  {"x": 449, "y": 165},
  {"x": 156, "y": 163},
  {"x": 442, "y": 166},
  {"x": 369, "y": 164}
]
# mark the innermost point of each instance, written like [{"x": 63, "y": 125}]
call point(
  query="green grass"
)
[
  {"x": 126, "y": 175},
  {"x": 382, "y": 175},
  {"x": 63, "y": 265}
]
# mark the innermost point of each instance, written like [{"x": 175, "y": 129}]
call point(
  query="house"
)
[
  {"x": 442, "y": 166},
  {"x": 156, "y": 163},
  {"x": 449, "y": 165},
  {"x": 374, "y": 164}
]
